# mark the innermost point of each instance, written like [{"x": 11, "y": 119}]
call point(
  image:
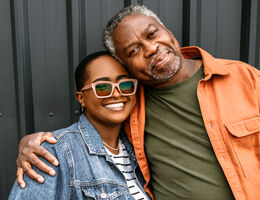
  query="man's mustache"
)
[{"x": 158, "y": 54}]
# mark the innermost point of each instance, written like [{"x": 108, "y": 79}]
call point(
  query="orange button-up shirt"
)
[{"x": 229, "y": 98}]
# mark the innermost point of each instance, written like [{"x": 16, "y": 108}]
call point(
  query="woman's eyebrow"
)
[
  {"x": 109, "y": 79},
  {"x": 121, "y": 76},
  {"x": 102, "y": 79}
]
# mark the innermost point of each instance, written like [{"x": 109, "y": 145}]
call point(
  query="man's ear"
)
[{"x": 79, "y": 97}]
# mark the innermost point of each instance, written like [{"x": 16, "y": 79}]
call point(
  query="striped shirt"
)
[{"x": 122, "y": 161}]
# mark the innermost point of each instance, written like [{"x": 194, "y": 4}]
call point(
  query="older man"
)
[{"x": 197, "y": 122}]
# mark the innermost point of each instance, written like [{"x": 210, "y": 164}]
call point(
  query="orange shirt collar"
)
[{"x": 210, "y": 63}]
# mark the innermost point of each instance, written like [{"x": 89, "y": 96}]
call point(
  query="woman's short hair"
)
[{"x": 81, "y": 75}]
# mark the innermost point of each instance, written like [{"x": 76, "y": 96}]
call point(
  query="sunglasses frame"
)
[{"x": 93, "y": 85}]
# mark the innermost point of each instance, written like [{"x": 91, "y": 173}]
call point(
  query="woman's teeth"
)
[{"x": 115, "y": 106}]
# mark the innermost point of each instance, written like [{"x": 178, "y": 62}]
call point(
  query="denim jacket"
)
[{"x": 86, "y": 171}]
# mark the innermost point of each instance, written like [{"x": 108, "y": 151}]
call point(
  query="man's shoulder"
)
[{"x": 238, "y": 66}]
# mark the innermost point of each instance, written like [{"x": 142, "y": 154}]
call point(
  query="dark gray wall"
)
[{"x": 41, "y": 42}]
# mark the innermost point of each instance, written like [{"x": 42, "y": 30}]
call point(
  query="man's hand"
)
[{"x": 29, "y": 150}]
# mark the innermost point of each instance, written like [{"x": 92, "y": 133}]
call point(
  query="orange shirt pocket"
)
[{"x": 245, "y": 137}]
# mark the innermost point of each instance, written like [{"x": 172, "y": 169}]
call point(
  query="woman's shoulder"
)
[
  {"x": 64, "y": 137},
  {"x": 66, "y": 132}
]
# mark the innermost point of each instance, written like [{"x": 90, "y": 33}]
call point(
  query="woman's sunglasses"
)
[{"x": 105, "y": 89}]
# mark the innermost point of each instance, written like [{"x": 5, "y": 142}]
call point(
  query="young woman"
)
[{"x": 96, "y": 159}]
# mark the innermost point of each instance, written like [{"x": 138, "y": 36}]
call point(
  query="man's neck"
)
[{"x": 188, "y": 68}]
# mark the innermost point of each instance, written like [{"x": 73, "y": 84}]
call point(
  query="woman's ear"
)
[{"x": 79, "y": 97}]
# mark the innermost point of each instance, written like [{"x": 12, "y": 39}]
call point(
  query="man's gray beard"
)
[{"x": 170, "y": 68}]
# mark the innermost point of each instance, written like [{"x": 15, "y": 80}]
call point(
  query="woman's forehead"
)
[{"x": 105, "y": 66}]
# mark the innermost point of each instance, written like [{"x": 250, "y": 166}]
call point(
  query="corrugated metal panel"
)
[
  {"x": 220, "y": 30},
  {"x": 43, "y": 40},
  {"x": 254, "y": 42},
  {"x": 9, "y": 125},
  {"x": 47, "y": 29},
  {"x": 170, "y": 12}
]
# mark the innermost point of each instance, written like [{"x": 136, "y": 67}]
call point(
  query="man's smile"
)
[{"x": 161, "y": 59}]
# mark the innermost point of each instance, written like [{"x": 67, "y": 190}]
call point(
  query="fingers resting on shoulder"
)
[{"x": 29, "y": 150}]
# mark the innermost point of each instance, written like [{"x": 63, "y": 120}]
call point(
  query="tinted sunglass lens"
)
[
  {"x": 127, "y": 87},
  {"x": 103, "y": 89}
]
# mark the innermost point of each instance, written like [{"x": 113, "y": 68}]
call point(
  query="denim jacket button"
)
[{"x": 103, "y": 195}]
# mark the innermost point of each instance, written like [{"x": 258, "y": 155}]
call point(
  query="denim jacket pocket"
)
[
  {"x": 245, "y": 137},
  {"x": 103, "y": 191}
]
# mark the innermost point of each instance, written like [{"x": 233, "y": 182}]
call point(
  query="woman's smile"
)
[{"x": 115, "y": 106}]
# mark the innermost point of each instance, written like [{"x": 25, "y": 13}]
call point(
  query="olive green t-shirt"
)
[{"x": 181, "y": 159}]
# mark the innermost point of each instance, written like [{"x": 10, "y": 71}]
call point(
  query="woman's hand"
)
[{"x": 29, "y": 150}]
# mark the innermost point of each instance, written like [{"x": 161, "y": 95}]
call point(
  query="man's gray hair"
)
[{"x": 114, "y": 21}]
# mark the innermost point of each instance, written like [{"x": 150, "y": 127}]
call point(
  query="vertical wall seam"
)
[
  {"x": 27, "y": 68},
  {"x": 21, "y": 34},
  {"x": 15, "y": 71},
  {"x": 186, "y": 6},
  {"x": 101, "y": 21},
  {"x": 217, "y": 30},
  {"x": 141, "y": 2},
  {"x": 70, "y": 60},
  {"x": 198, "y": 23},
  {"x": 245, "y": 30},
  {"x": 132, "y": 2},
  {"x": 127, "y": 3},
  {"x": 82, "y": 30},
  {"x": 257, "y": 51}
]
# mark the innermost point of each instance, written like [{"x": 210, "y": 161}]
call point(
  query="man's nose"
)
[{"x": 150, "y": 48}]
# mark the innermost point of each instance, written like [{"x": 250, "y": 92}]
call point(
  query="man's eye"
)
[
  {"x": 151, "y": 34},
  {"x": 133, "y": 52}
]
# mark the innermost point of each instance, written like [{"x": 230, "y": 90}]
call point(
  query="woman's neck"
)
[{"x": 109, "y": 134}]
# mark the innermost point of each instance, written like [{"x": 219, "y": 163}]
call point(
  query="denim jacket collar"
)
[{"x": 93, "y": 140}]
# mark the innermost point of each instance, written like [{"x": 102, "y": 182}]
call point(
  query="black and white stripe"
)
[{"x": 122, "y": 161}]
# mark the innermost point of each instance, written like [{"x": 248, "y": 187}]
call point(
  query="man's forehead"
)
[
  {"x": 139, "y": 18},
  {"x": 134, "y": 25}
]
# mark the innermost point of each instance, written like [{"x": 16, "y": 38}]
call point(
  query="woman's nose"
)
[{"x": 116, "y": 93}]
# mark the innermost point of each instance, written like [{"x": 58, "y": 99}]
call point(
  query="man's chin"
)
[{"x": 162, "y": 78}]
